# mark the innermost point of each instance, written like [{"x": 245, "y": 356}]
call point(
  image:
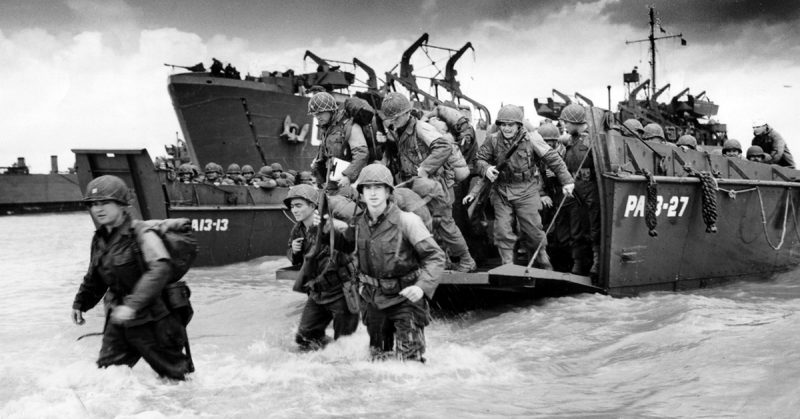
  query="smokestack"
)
[
  {"x": 20, "y": 161},
  {"x": 53, "y": 164}
]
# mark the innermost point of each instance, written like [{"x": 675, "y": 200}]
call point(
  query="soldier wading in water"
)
[
  {"x": 326, "y": 300},
  {"x": 132, "y": 276},
  {"x": 399, "y": 264}
]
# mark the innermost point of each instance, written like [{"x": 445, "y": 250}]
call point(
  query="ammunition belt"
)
[{"x": 390, "y": 285}]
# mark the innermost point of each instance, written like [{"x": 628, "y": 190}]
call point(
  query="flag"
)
[{"x": 683, "y": 42}]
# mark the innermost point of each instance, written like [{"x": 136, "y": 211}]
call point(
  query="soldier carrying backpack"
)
[{"x": 131, "y": 267}]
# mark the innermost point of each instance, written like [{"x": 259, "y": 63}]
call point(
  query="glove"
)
[{"x": 568, "y": 188}]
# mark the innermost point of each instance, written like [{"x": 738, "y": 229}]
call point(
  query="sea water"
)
[{"x": 730, "y": 351}]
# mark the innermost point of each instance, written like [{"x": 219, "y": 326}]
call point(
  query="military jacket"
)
[
  {"x": 329, "y": 282},
  {"x": 520, "y": 178},
  {"x": 577, "y": 146},
  {"x": 126, "y": 272},
  {"x": 396, "y": 249},
  {"x": 422, "y": 145},
  {"x": 773, "y": 144},
  {"x": 336, "y": 144}
]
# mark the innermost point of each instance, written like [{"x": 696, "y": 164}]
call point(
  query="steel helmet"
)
[
  {"x": 307, "y": 192},
  {"x": 247, "y": 169},
  {"x": 305, "y": 176},
  {"x": 688, "y": 141},
  {"x": 276, "y": 167},
  {"x": 394, "y": 104},
  {"x": 653, "y": 131},
  {"x": 107, "y": 188},
  {"x": 234, "y": 169},
  {"x": 265, "y": 171},
  {"x": 321, "y": 102},
  {"x": 185, "y": 169},
  {"x": 549, "y": 131},
  {"x": 573, "y": 113},
  {"x": 213, "y": 167},
  {"x": 510, "y": 113},
  {"x": 758, "y": 122},
  {"x": 755, "y": 151},
  {"x": 634, "y": 125},
  {"x": 375, "y": 174},
  {"x": 731, "y": 145}
]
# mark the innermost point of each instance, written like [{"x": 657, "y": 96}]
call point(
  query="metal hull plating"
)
[
  {"x": 37, "y": 193},
  {"x": 216, "y": 114}
]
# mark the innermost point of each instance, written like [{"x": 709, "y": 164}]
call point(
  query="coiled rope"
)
[
  {"x": 651, "y": 203},
  {"x": 710, "y": 213}
]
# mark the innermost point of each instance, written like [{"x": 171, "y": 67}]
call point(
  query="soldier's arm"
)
[
  {"x": 90, "y": 292},
  {"x": 778, "y": 147},
  {"x": 431, "y": 257},
  {"x": 359, "y": 152},
  {"x": 550, "y": 158},
  {"x": 156, "y": 275},
  {"x": 485, "y": 156},
  {"x": 439, "y": 147},
  {"x": 295, "y": 257}
]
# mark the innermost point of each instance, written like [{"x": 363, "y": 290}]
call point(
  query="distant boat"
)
[{"x": 22, "y": 192}]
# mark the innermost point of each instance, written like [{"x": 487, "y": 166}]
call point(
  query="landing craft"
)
[{"x": 671, "y": 219}]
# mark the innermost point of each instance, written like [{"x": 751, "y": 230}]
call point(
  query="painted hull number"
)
[
  {"x": 674, "y": 206},
  {"x": 209, "y": 224}
]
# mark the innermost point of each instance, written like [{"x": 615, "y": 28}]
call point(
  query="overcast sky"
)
[{"x": 90, "y": 73}]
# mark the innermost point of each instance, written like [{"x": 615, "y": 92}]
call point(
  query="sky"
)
[{"x": 91, "y": 73}]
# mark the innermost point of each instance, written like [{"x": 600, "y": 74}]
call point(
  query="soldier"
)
[
  {"x": 248, "y": 174},
  {"x": 186, "y": 173},
  {"x": 305, "y": 177},
  {"x": 583, "y": 210},
  {"x": 277, "y": 169},
  {"x": 558, "y": 240},
  {"x": 757, "y": 154},
  {"x": 266, "y": 179},
  {"x": 634, "y": 126},
  {"x": 772, "y": 143},
  {"x": 423, "y": 152},
  {"x": 399, "y": 263},
  {"x": 129, "y": 274},
  {"x": 341, "y": 139},
  {"x": 515, "y": 186},
  {"x": 213, "y": 174},
  {"x": 233, "y": 176},
  {"x": 687, "y": 142},
  {"x": 326, "y": 301},
  {"x": 732, "y": 148},
  {"x": 652, "y": 132}
]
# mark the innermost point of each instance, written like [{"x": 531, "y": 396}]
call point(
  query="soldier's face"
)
[
  {"x": 397, "y": 121},
  {"x": 375, "y": 195},
  {"x": 732, "y": 153},
  {"x": 759, "y": 129},
  {"x": 212, "y": 175},
  {"x": 301, "y": 209},
  {"x": 509, "y": 129},
  {"x": 107, "y": 213},
  {"x": 324, "y": 117},
  {"x": 574, "y": 128}
]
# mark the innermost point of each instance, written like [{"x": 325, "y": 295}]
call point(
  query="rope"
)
[
  {"x": 764, "y": 220},
  {"x": 710, "y": 213},
  {"x": 650, "y": 205}
]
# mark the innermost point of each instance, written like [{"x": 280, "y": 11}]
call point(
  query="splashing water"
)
[{"x": 728, "y": 351}]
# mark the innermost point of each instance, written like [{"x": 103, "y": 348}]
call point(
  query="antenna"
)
[{"x": 652, "y": 40}]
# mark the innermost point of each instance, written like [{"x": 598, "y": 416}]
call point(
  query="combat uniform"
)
[
  {"x": 583, "y": 209},
  {"x": 135, "y": 276},
  {"x": 395, "y": 251},
  {"x": 516, "y": 190},
  {"x": 773, "y": 144}
]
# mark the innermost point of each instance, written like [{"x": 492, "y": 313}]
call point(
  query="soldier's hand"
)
[
  {"x": 421, "y": 172},
  {"x": 122, "y": 314},
  {"x": 317, "y": 219},
  {"x": 314, "y": 164},
  {"x": 77, "y": 317},
  {"x": 344, "y": 182},
  {"x": 547, "y": 202},
  {"x": 467, "y": 199},
  {"x": 380, "y": 137},
  {"x": 297, "y": 245},
  {"x": 412, "y": 292},
  {"x": 568, "y": 188},
  {"x": 491, "y": 173},
  {"x": 340, "y": 225}
]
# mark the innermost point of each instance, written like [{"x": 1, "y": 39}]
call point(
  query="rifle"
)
[
  {"x": 309, "y": 269},
  {"x": 501, "y": 164}
]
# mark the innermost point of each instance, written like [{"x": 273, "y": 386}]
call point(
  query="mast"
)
[{"x": 652, "y": 41}]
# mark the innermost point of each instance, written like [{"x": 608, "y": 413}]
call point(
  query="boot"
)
[
  {"x": 466, "y": 264},
  {"x": 506, "y": 256},
  {"x": 593, "y": 271},
  {"x": 580, "y": 265},
  {"x": 543, "y": 261}
]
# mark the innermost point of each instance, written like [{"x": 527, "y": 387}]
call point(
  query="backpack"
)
[
  {"x": 363, "y": 115},
  {"x": 178, "y": 238}
]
